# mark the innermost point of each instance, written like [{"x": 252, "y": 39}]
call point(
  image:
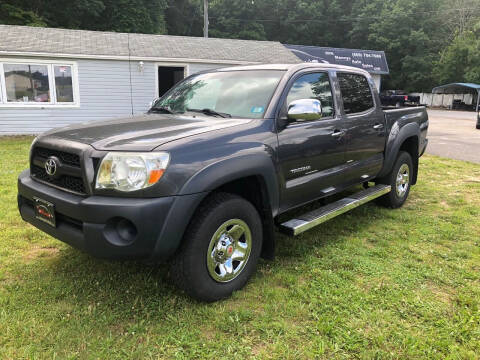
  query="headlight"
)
[{"x": 131, "y": 171}]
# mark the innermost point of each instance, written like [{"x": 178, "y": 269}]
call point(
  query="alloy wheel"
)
[
  {"x": 229, "y": 250},
  {"x": 403, "y": 180}
]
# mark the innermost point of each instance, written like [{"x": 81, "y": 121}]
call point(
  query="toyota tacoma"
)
[{"x": 201, "y": 179}]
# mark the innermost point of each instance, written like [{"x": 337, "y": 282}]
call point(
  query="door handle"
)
[
  {"x": 378, "y": 126},
  {"x": 338, "y": 133}
]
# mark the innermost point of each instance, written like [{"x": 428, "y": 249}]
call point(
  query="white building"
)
[{"x": 55, "y": 77}]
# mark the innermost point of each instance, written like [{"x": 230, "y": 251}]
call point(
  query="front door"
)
[
  {"x": 168, "y": 77},
  {"x": 310, "y": 152},
  {"x": 364, "y": 126}
]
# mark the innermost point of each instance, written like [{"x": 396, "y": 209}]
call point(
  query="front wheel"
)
[
  {"x": 400, "y": 179},
  {"x": 220, "y": 249}
]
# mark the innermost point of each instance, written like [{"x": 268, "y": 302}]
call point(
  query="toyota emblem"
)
[{"x": 51, "y": 166}]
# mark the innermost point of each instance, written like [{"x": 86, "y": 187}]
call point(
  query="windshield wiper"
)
[
  {"x": 211, "y": 112},
  {"x": 162, "y": 109}
]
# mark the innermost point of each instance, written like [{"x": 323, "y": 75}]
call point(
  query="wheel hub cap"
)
[
  {"x": 229, "y": 250},
  {"x": 403, "y": 180}
]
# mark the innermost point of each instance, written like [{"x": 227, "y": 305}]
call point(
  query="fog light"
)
[{"x": 120, "y": 232}]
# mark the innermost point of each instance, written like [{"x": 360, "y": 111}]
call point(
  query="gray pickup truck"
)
[{"x": 201, "y": 179}]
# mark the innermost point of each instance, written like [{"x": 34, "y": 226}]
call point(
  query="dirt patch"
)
[
  {"x": 259, "y": 349},
  {"x": 208, "y": 333},
  {"x": 444, "y": 204},
  {"x": 38, "y": 252},
  {"x": 441, "y": 293},
  {"x": 9, "y": 280},
  {"x": 373, "y": 284}
]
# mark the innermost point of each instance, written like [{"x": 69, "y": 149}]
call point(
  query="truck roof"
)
[{"x": 294, "y": 67}]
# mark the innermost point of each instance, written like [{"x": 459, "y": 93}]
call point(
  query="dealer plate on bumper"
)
[{"x": 45, "y": 211}]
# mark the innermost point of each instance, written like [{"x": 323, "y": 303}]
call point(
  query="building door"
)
[{"x": 167, "y": 77}]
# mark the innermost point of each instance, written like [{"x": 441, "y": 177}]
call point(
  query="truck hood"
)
[{"x": 141, "y": 133}]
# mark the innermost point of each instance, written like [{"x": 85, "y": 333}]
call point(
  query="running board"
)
[{"x": 316, "y": 217}]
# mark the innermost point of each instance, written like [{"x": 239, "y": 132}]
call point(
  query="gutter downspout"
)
[{"x": 130, "y": 72}]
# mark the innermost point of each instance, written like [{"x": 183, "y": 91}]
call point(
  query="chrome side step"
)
[{"x": 316, "y": 217}]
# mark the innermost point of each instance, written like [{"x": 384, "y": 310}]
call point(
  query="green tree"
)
[
  {"x": 427, "y": 42},
  {"x": 232, "y": 19},
  {"x": 136, "y": 16},
  {"x": 410, "y": 34},
  {"x": 307, "y": 22},
  {"x": 12, "y": 13},
  {"x": 184, "y": 17},
  {"x": 81, "y": 14},
  {"x": 460, "y": 61},
  {"x": 143, "y": 16}
]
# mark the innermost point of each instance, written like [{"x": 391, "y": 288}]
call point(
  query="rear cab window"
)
[{"x": 356, "y": 93}]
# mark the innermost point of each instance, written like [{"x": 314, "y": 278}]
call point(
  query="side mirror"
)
[{"x": 305, "y": 110}]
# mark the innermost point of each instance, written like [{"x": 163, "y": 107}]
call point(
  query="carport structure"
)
[{"x": 460, "y": 88}]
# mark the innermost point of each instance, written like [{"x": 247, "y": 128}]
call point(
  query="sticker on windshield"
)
[{"x": 257, "y": 109}]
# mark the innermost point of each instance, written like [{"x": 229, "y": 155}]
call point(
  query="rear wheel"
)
[
  {"x": 400, "y": 179},
  {"x": 220, "y": 249}
]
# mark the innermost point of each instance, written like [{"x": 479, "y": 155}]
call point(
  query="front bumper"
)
[{"x": 111, "y": 227}]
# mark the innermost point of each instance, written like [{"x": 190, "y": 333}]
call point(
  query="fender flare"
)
[
  {"x": 201, "y": 184},
  {"x": 231, "y": 169},
  {"x": 397, "y": 137}
]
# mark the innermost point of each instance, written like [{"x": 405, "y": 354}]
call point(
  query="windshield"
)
[{"x": 243, "y": 94}]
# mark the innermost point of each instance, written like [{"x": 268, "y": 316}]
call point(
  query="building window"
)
[
  {"x": 63, "y": 83},
  {"x": 26, "y": 83},
  {"x": 42, "y": 84}
]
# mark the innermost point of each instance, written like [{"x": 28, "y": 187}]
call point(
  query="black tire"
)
[
  {"x": 189, "y": 269},
  {"x": 395, "y": 199}
]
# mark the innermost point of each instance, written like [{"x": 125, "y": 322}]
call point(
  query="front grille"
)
[
  {"x": 70, "y": 180},
  {"x": 66, "y": 158},
  {"x": 70, "y": 183}
]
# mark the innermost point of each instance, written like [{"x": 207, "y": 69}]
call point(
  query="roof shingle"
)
[{"x": 104, "y": 44}]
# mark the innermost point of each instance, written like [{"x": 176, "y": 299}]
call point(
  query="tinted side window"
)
[
  {"x": 356, "y": 93},
  {"x": 313, "y": 86}
]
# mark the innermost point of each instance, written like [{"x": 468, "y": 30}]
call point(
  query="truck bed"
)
[{"x": 406, "y": 115}]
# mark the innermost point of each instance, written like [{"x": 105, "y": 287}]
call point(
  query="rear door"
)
[
  {"x": 364, "y": 123},
  {"x": 309, "y": 151}
]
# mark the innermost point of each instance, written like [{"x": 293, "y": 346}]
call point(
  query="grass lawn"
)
[{"x": 374, "y": 283}]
